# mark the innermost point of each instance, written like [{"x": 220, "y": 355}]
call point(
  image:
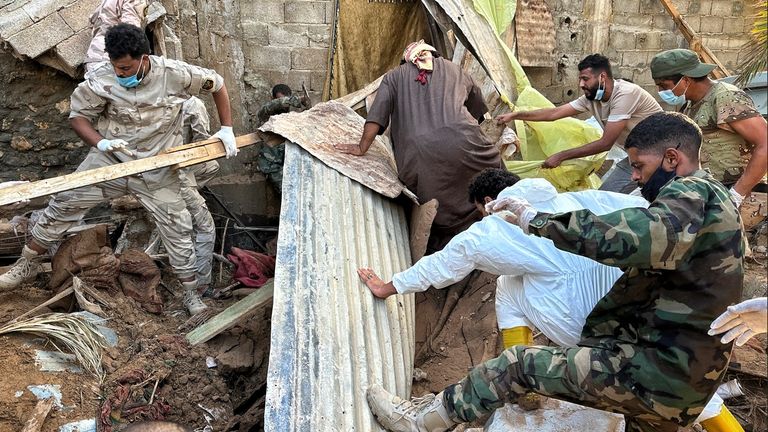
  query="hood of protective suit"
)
[{"x": 534, "y": 190}]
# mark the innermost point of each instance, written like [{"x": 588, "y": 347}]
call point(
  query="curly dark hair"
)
[
  {"x": 489, "y": 183},
  {"x": 598, "y": 63},
  {"x": 664, "y": 130},
  {"x": 126, "y": 39},
  {"x": 281, "y": 88}
]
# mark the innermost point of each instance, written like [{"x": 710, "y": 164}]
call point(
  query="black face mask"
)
[{"x": 650, "y": 189}]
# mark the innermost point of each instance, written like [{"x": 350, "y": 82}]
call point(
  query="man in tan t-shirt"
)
[{"x": 616, "y": 104}]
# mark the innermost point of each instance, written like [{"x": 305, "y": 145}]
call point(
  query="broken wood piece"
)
[
  {"x": 355, "y": 100},
  {"x": 36, "y": 420},
  {"x": 232, "y": 315},
  {"x": 85, "y": 304},
  {"x": 194, "y": 153},
  {"x": 48, "y": 302}
]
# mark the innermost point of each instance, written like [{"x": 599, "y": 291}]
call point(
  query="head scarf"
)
[{"x": 420, "y": 54}]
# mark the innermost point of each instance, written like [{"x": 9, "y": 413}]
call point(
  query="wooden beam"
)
[
  {"x": 36, "y": 420},
  {"x": 356, "y": 99},
  {"x": 232, "y": 315},
  {"x": 191, "y": 154},
  {"x": 694, "y": 41}
]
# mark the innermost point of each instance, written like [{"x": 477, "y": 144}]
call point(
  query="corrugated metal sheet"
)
[
  {"x": 330, "y": 337},
  {"x": 317, "y": 130},
  {"x": 535, "y": 30}
]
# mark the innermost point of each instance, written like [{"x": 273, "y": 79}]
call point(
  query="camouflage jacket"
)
[
  {"x": 280, "y": 105},
  {"x": 683, "y": 260}
]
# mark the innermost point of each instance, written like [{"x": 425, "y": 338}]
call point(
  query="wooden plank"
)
[
  {"x": 694, "y": 41},
  {"x": 232, "y": 315},
  {"x": 355, "y": 100},
  {"x": 192, "y": 154},
  {"x": 36, "y": 420}
]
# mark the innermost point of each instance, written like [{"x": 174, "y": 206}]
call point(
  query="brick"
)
[
  {"x": 317, "y": 81},
  {"x": 663, "y": 22},
  {"x": 288, "y": 35},
  {"x": 694, "y": 7},
  {"x": 671, "y": 40},
  {"x": 13, "y": 22},
  {"x": 737, "y": 8},
  {"x": 649, "y": 41},
  {"x": 715, "y": 43},
  {"x": 722, "y": 8},
  {"x": 292, "y": 78},
  {"x": 72, "y": 51},
  {"x": 41, "y": 36},
  {"x": 330, "y": 12},
  {"x": 705, "y": 7},
  {"x": 653, "y": 7},
  {"x": 77, "y": 15},
  {"x": 624, "y": 72},
  {"x": 37, "y": 10},
  {"x": 641, "y": 21},
  {"x": 255, "y": 33},
  {"x": 309, "y": 59},
  {"x": 269, "y": 58},
  {"x": 319, "y": 35},
  {"x": 711, "y": 24},
  {"x": 730, "y": 59},
  {"x": 622, "y": 40},
  {"x": 263, "y": 11},
  {"x": 736, "y": 25},
  {"x": 694, "y": 22},
  {"x": 309, "y": 12},
  {"x": 626, "y": 7},
  {"x": 634, "y": 58}
]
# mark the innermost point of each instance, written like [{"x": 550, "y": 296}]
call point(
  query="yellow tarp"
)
[{"x": 540, "y": 140}]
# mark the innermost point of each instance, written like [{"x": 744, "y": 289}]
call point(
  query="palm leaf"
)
[{"x": 754, "y": 52}]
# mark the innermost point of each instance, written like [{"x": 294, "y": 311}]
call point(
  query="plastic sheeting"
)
[
  {"x": 330, "y": 338},
  {"x": 544, "y": 286}
]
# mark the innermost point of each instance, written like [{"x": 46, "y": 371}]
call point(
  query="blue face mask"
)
[
  {"x": 133, "y": 80},
  {"x": 600, "y": 92},
  {"x": 668, "y": 96}
]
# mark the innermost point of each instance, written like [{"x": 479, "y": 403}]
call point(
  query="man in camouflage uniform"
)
[
  {"x": 127, "y": 110},
  {"x": 644, "y": 350},
  {"x": 270, "y": 159},
  {"x": 735, "y": 145}
]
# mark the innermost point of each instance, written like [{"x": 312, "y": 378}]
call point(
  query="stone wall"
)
[{"x": 631, "y": 32}]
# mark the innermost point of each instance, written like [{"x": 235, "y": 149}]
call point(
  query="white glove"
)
[
  {"x": 516, "y": 211},
  {"x": 227, "y": 138},
  {"x": 742, "y": 321},
  {"x": 106, "y": 145},
  {"x": 16, "y": 205},
  {"x": 736, "y": 197}
]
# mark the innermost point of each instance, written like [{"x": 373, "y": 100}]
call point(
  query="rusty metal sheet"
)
[
  {"x": 535, "y": 30},
  {"x": 329, "y": 123}
]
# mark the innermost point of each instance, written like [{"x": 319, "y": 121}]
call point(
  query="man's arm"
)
[
  {"x": 544, "y": 114},
  {"x": 659, "y": 237},
  {"x": 221, "y": 99},
  {"x": 370, "y": 130},
  {"x": 85, "y": 130},
  {"x": 755, "y": 131},
  {"x": 610, "y": 134}
]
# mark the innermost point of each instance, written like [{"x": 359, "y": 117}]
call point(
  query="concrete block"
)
[
  {"x": 626, "y": 7},
  {"x": 663, "y": 22},
  {"x": 317, "y": 81},
  {"x": 41, "y": 36},
  {"x": 711, "y": 24},
  {"x": 330, "y": 12},
  {"x": 292, "y": 78},
  {"x": 736, "y": 25},
  {"x": 705, "y": 7},
  {"x": 694, "y": 7},
  {"x": 310, "y": 12},
  {"x": 672, "y": 40},
  {"x": 655, "y": 7},
  {"x": 263, "y": 11},
  {"x": 730, "y": 59},
  {"x": 288, "y": 35},
  {"x": 622, "y": 40},
  {"x": 269, "y": 58},
  {"x": 640, "y": 21},
  {"x": 683, "y": 6},
  {"x": 14, "y": 22},
  {"x": 72, "y": 50},
  {"x": 737, "y": 8},
  {"x": 77, "y": 14},
  {"x": 715, "y": 43},
  {"x": 694, "y": 22},
  {"x": 37, "y": 10},
  {"x": 539, "y": 77},
  {"x": 722, "y": 8},
  {"x": 256, "y": 34},
  {"x": 649, "y": 41},
  {"x": 309, "y": 59},
  {"x": 319, "y": 35},
  {"x": 635, "y": 59}
]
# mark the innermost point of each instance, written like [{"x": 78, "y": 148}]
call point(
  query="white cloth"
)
[{"x": 541, "y": 286}]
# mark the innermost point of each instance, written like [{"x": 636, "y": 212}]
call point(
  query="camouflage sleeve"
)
[
  {"x": 734, "y": 106},
  {"x": 195, "y": 79},
  {"x": 659, "y": 237},
  {"x": 197, "y": 124},
  {"x": 84, "y": 102},
  {"x": 275, "y": 106}
]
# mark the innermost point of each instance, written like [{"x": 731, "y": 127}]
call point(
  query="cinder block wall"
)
[{"x": 631, "y": 32}]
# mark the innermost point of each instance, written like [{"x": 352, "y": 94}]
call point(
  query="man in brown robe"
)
[{"x": 433, "y": 109}]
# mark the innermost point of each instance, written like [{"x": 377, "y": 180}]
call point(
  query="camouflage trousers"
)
[
  {"x": 270, "y": 160},
  {"x": 585, "y": 376},
  {"x": 203, "y": 227},
  {"x": 164, "y": 204}
]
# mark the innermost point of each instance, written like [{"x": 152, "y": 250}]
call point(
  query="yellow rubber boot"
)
[
  {"x": 723, "y": 422},
  {"x": 517, "y": 336}
]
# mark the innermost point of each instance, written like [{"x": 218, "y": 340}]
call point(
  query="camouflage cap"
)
[{"x": 679, "y": 62}]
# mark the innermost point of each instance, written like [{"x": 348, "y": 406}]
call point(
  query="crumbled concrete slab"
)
[{"x": 41, "y": 36}]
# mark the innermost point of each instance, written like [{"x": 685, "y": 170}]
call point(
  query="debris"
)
[
  {"x": 88, "y": 425},
  {"x": 53, "y": 361},
  {"x": 36, "y": 420},
  {"x": 252, "y": 269},
  {"x": 46, "y": 303},
  {"x": 85, "y": 304},
  {"x": 210, "y": 362},
  {"x": 419, "y": 375},
  {"x": 730, "y": 389},
  {"x": 486, "y": 297},
  {"x": 555, "y": 415},
  {"x": 232, "y": 315},
  {"x": 236, "y": 219},
  {"x": 139, "y": 278},
  {"x": 47, "y": 391},
  {"x": 19, "y": 393}
]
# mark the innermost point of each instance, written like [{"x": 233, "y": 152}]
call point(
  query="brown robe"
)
[{"x": 436, "y": 139}]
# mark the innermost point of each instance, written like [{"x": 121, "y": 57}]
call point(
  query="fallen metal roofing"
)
[
  {"x": 329, "y": 123},
  {"x": 330, "y": 338}
]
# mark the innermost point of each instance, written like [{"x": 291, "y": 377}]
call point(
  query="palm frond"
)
[{"x": 755, "y": 51}]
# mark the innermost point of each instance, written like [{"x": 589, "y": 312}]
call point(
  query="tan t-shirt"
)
[{"x": 628, "y": 102}]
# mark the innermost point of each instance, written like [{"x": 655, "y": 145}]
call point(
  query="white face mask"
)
[
  {"x": 600, "y": 91},
  {"x": 670, "y": 97}
]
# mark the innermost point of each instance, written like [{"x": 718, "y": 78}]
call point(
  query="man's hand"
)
[
  {"x": 353, "y": 149},
  {"x": 106, "y": 145},
  {"x": 516, "y": 211},
  {"x": 227, "y": 138},
  {"x": 378, "y": 287},
  {"x": 742, "y": 321},
  {"x": 736, "y": 197},
  {"x": 553, "y": 161},
  {"x": 506, "y": 118}
]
